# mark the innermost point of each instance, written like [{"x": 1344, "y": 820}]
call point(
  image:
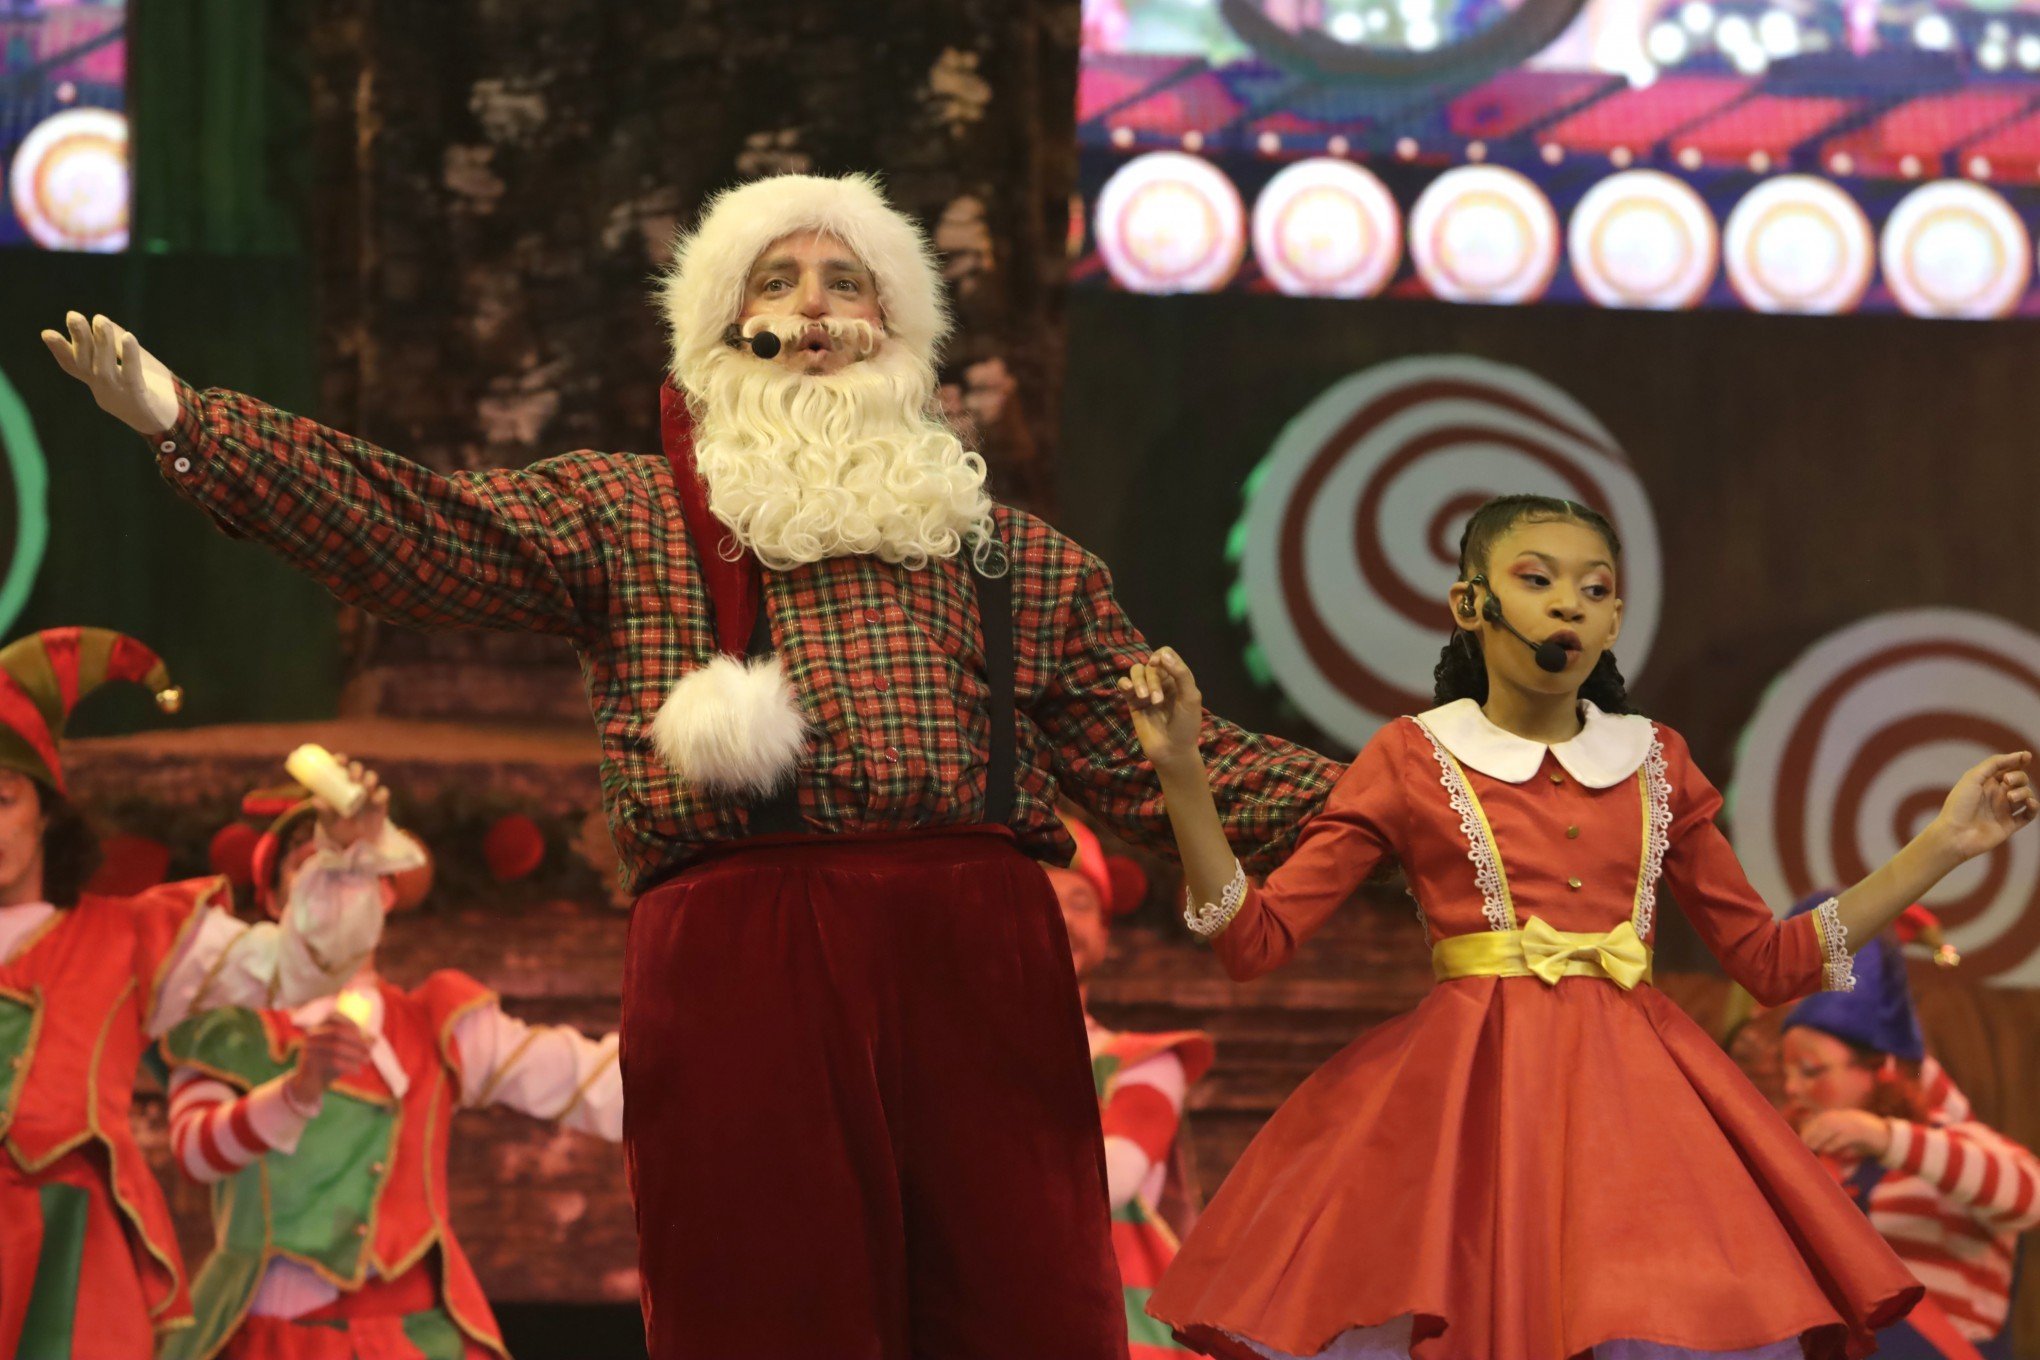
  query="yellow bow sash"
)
[{"x": 1538, "y": 951}]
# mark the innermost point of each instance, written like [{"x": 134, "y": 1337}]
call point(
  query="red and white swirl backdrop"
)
[
  {"x": 1351, "y": 532},
  {"x": 1854, "y": 748}
]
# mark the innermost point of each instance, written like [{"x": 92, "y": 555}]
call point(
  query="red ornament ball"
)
[
  {"x": 513, "y": 847},
  {"x": 1129, "y": 884}
]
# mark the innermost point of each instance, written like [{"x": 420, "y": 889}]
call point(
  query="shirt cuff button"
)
[
  {"x": 182, "y": 465},
  {"x": 168, "y": 446}
]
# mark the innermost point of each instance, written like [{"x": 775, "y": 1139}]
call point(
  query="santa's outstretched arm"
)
[
  {"x": 497, "y": 549},
  {"x": 1265, "y": 788}
]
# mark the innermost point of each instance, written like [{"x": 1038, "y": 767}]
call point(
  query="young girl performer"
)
[{"x": 1547, "y": 1158}]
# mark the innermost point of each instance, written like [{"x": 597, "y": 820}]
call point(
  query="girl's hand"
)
[
  {"x": 1168, "y": 712},
  {"x": 1990, "y": 802},
  {"x": 1839, "y": 1133}
]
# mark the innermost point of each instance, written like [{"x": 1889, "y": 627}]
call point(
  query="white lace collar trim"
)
[{"x": 1609, "y": 748}]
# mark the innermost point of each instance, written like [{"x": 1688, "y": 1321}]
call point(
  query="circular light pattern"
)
[
  {"x": 1855, "y": 746},
  {"x": 1799, "y": 244},
  {"x": 1327, "y": 228},
  {"x": 1170, "y": 223},
  {"x": 1643, "y": 239},
  {"x": 1482, "y": 233},
  {"x": 1956, "y": 249},
  {"x": 69, "y": 181},
  {"x": 1350, "y": 537}
]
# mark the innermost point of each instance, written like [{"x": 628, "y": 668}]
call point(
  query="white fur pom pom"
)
[{"x": 732, "y": 727}]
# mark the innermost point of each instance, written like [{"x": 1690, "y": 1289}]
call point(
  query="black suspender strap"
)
[
  {"x": 778, "y": 812},
  {"x": 995, "y": 628}
]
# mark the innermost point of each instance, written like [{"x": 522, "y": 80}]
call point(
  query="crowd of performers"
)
[{"x": 841, "y": 693}]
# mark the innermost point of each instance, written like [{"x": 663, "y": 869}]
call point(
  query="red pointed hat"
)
[{"x": 44, "y": 675}]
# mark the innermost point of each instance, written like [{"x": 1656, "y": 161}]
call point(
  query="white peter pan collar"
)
[{"x": 1609, "y": 748}]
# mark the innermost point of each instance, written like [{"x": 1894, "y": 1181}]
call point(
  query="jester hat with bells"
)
[
  {"x": 734, "y": 726},
  {"x": 44, "y": 675}
]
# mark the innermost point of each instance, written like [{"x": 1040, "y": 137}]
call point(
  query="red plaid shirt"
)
[{"x": 886, "y": 661}]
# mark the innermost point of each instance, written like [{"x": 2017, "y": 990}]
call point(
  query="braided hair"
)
[{"x": 1461, "y": 672}]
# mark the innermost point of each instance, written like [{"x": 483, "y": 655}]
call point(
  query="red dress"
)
[{"x": 1520, "y": 1169}]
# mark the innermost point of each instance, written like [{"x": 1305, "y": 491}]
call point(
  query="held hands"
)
[
  {"x": 1990, "y": 802},
  {"x": 1168, "y": 712},
  {"x": 366, "y": 824},
  {"x": 1841, "y": 1133},
  {"x": 127, "y": 381},
  {"x": 335, "y": 1047}
]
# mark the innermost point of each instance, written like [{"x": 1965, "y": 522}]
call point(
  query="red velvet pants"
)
[{"x": 858, "y": 1109}]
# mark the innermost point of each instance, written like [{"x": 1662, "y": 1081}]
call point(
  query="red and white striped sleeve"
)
[
  {"x": 1945, "y": 1102},
  {"x": 215, "y": 1130},
  {"x": 1140, "y": 1122},
  {"x": 1973, "y": 1165}
]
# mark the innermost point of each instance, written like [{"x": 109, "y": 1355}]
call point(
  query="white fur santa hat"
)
[
  {"x": 704, "y": 289},
  {"x": 735, "y": 726}
]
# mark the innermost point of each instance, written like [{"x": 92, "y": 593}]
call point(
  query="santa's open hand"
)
[
  {"x": 127, "y": 381},
  {"x": 1167, "y": 710}
]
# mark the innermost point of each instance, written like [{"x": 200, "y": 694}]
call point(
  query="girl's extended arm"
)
[
  {"x": 1167, "y": 712},
  {"x": 1254, "y": 929}
]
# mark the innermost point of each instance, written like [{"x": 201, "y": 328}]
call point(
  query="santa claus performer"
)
[
  {"x": 324, "y": 1131},
  {"x": 89, "y": 1267},
  {"x": 837, "y": 688}
]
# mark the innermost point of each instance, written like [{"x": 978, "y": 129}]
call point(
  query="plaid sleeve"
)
[
  {"x": 1266, "y": 788},
  {"x": 496, "y": 549}
]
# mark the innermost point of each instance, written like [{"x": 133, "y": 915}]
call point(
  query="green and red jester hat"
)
[{"x": 44, "y": 675}]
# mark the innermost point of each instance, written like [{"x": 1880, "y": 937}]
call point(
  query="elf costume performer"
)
[
  {"x": 838, "y": 689},
  {"x": 1949, "y": 1193},
  {"x": 89, "y": 1268},
  {"x": 1142, "y": 1080},
  {"x": 1546, "y": 1158},
  {"x": 324, "y": 1132}
]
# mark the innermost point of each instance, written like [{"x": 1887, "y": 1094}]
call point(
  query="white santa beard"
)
[{"x": 803, "y": 468}]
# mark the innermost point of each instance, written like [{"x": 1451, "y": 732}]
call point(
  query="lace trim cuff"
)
[
  {"x": 1838, "y": 967},
  {"x": 1208, "y": 920}
]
